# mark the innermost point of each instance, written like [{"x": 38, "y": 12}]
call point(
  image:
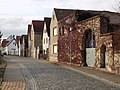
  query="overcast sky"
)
[{"x": 15, "y": 15}]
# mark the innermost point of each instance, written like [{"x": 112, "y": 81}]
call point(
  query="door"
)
[
  {"x": 89, "y": 48},
  {"x": 90, "y": 57},
  {"x": 103, "y": 56}
]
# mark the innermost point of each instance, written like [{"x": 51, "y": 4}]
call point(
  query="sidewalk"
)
[
  {"x": 13, "y": 78},
  {"x": 102, "y": 75}
]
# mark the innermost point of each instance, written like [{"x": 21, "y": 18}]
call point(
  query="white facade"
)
[
  {"x": 11, "y": 48},
  {"x": 32, "y": 42},
  {"x": 45, "y": 40}
]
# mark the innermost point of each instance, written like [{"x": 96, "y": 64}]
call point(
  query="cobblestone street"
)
[{"x": 41, "y": 75}]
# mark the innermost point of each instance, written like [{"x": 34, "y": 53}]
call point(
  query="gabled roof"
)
[
  {"x": 38, "y": 25},
  {"x": 10, "y": 42},
  {"x": 47, "y": 20},
  {"x": 29, "y": 28},
  {"x": 61, "y": 13}
]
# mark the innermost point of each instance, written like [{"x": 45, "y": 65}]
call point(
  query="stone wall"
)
[
  {"x": 76, "y": 37},
  {"x": 105, "y": 39},
  {"x": 116, "y": 43},
  {"x": 99, "y": 26}
]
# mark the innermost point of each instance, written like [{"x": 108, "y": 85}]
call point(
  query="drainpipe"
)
[{"x": 70, "y": 47}]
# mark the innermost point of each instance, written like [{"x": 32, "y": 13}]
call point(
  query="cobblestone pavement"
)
[{"x": 41, "y": 75}]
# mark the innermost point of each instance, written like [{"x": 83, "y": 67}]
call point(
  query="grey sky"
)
[{"x": 15, "y": 15}]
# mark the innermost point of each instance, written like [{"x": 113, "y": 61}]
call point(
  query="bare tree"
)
[{"x": 116, "y": 6}]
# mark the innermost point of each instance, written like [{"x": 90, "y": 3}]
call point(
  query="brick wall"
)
[{"x": 76, "y": 37}]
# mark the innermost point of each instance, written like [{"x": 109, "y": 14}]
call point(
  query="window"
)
[
  {"x": 54, "y": 49},
  {"x": 44, "y": 41},
  {"x": 61, "y": 31},
  {"x": 55, "y": 31}
]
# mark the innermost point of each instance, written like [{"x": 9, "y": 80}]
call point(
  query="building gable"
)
[{"x": 38, "y": 25}]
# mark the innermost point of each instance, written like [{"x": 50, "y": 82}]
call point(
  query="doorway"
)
[
  {"x": 103, "y": 57},
  {"x": 89, "y": 48}
]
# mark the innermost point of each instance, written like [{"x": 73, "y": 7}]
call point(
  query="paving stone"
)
[{"x": 41, "y": 75}]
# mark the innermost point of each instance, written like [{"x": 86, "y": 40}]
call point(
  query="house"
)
[
  {"x": 24, "y": 45},
  {"x": 10, "y": 46},
  {"x": 29, "y": 38},
  {"x": 46, "y": 36},
  {"x": 36, "y": 38},
  {"x": 57, "y": 15},
  {"x": 90, "y": 38},
  {"x": 18, "y": 44}
]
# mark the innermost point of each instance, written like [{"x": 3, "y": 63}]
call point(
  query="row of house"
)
[{"x": 78, "y": 37}]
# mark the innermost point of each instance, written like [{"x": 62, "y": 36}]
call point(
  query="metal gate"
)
[{"x": 90, "y": 57}]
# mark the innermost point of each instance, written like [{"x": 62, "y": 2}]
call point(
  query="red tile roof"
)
[
  {"x": 38, "y": 25},
  {"x": 4, "y": 42},
  {"x": 61, "y": 13}
]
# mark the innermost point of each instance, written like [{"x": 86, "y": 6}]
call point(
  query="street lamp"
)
[{"x": 70, "y": 46}]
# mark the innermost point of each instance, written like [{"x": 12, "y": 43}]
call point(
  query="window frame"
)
[
  {"x": 54, "y": 49},
  {"x": 55, "y": 28}
]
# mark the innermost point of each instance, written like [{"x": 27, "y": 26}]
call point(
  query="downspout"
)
[{"x": 113, "y": 49}]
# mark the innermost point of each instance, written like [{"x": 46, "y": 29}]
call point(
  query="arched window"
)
[{"x": 89, "y": 39}]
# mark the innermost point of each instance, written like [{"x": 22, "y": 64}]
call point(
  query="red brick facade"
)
[{"x": 104, "y": 42}]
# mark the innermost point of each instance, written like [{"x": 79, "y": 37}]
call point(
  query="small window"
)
[
  {"x": 55, "y": 31},
  {"x": 54, "y": 49},
  {"x": 44, "y": 41},
  {"x": 61, "y": 31}
]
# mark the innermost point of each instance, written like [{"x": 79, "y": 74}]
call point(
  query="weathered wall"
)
[
  {"x": 106, "y": 40},
  {"x": 32, "y": 42},
  {"x": 77, "y": 38},
  {"x": 53, "y": 39},
  {"x": 116, "y": 43},
  {"x": 99, "y": 27},
  {"x": 38, "y": 40},
  {"x": 29, "y": 54}
]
